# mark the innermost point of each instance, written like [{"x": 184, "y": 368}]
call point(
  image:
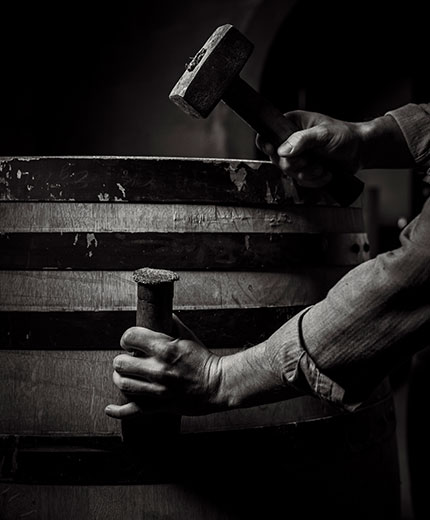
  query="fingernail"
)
[{"x": 285, "y": 148}]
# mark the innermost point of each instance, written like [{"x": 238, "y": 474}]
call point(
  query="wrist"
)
[
  {"x": 231, "y": 377},
  {"x": 248, "y": 378},
  {"x": 382, "y": 144},
  {"x": 369, "y": 133}
]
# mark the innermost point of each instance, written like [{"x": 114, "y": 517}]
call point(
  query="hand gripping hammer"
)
[{"x": 214, "y": 75}]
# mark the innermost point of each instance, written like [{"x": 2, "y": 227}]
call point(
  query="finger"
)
[
  {"x": 120, "y": 411},
  {"x": 264, "y": 146},
  {"x": 314, "y": 178},
  {"x": 305, "y": 140},
  {"x": 307, "y": 173},
  {"x": 132, "y": 386},
  {"x": 146, "y": 368},
  {"x": 144, "y": 340},
  {"x": 292, "y": 166}
]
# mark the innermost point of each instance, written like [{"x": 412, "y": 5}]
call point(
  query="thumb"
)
[{"x": 303, "y": 141}]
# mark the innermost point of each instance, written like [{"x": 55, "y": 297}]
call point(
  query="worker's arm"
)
[
  {"x": 338, "y": 349},
  {"x": 399, "y": 139},
  {"x": 379, "y": 312},
  {"x": 377, "y": 315}
]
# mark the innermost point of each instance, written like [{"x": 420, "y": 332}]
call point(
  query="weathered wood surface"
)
[
  {"x": 102, "y": 330},
  {"x": 56, "y": 291},
  {"x": 154, "y": 502},
  {"x": 301, "y": 440},
  {"x": 78, "y": 217},
  {"x": 220, "y": 476},
  {"x": 149, "y": 179},
  {"x": 204, "y": 251}
]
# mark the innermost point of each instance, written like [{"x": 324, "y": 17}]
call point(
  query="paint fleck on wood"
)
[{"x": 103, "y": 179}]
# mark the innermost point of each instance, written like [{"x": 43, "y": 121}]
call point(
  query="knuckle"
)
[
  {"x": 120, "y": 382},
  {"x": 324, "y": 132},
  {"x": 161, "y": 371},
  {"x": 124, "y": 385},
  {"x": 117, "y": 363},
  {"x": 128, "y": 337},
  {"x": 160, "y": 391},
  {"x": 173, "y": 351},
  {"x": 115, "y": 378},
  {"x": 174, "y": 344}
]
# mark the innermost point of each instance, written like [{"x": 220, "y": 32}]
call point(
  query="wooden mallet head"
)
[{"x": 212, "y": 70}]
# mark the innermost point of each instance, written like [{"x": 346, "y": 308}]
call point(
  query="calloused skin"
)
[{"x": 179, "y": 374}]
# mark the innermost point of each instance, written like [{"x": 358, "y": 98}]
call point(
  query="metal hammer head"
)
[{"x": 211, "y": 71}]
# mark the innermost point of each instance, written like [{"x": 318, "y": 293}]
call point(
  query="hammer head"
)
[{"x": 211, "y": 71}]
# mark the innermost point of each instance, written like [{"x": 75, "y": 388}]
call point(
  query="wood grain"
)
[
  {"x": 148, "y": 179},
  {"x": 149, "y": 502},
  {"x": 56, "y": 291},
  {"x": 204, "y": 251},
  {"x": 78, "y": 217}
]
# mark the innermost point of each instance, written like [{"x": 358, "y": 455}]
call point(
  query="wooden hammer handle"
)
[
  {"x": 269, "y": 122},
  {"x": 155, "y": 307},
  {"x": 154, "y": 311}
]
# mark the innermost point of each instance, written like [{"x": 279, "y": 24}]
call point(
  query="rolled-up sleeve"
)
[
  {"x": 341, "y": 348},
  {"x": 289, "y": 355}
]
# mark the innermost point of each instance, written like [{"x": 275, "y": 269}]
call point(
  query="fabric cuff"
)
[
  {"x": 300, "y": 371},
  {"x": 414, "y": 122}
]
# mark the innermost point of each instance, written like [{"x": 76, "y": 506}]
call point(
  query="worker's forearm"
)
[
  {"x": 342, "y": 347},
  {"x": 250, "y": 378},
  {"x": 375, "y": 316}
]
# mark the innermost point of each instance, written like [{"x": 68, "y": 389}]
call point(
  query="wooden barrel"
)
[{"x": 250, "y": 255}]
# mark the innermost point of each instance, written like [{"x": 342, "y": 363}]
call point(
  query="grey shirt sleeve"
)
[
  {"x": 341, "y": 348},
  {"x": 414, "y": 121}
]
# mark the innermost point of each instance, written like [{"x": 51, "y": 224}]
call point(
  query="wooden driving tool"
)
[
  {"x": 213, "y": 75},
  {"x": 154, "y": 311}
]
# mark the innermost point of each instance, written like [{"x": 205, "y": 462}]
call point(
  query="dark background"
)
[{"x": 78, "y": 81}]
